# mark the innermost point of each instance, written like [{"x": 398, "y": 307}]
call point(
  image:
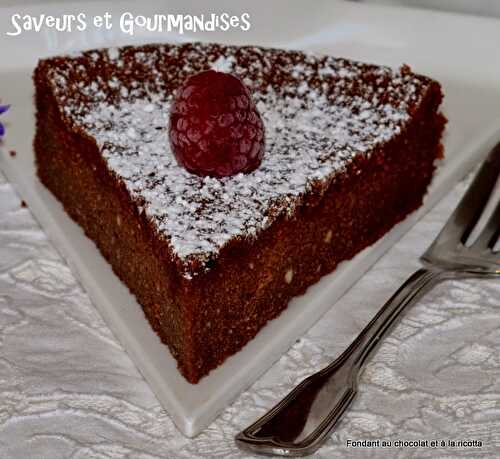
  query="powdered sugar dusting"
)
[
  {"x": 223, "y": 64},
  {"x": 312, "y": 133},
  {"x": 113, "y": 54}
]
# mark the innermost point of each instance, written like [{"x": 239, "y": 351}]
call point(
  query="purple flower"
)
[{"x": 3, "y": 109}]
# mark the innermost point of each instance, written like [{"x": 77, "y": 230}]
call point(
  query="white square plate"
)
[{"x": 461, "y": 52}]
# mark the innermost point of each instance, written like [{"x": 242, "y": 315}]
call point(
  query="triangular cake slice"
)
[{"x": 350, "y": 151}]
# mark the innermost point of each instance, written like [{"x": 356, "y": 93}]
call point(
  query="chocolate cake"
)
[{"x": 350, "y": 151}]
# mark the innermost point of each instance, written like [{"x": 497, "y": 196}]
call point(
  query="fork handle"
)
[
  {"x": 419, "y": 283},
  {"x": 299, "y": 424}
]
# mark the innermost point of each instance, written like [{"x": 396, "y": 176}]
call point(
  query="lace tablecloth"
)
[{"x": 69, "y": 390}]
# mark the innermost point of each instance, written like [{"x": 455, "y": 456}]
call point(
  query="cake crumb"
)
[
  {"x": 12, "y": 153},
  {"x": 23, "y": 203}
]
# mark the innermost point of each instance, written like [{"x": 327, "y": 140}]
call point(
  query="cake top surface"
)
[{"x": 319, "y": 114}]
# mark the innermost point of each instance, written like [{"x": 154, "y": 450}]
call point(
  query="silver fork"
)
[{"x": 302, "y": 421}]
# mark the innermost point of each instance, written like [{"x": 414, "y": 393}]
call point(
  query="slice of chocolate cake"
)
[{"x": 350, "y": 151}]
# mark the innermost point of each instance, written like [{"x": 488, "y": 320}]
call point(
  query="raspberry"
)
[{"x": 215, "y": 128}]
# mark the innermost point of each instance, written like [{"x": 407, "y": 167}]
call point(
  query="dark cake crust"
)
[{"x": 208, "y": 317}]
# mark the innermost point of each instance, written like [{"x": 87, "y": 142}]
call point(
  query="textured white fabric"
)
[{"x": 68, "y": 389}]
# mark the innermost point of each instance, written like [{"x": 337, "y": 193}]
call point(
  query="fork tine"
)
[
  {"x": 489, "y": 234},
  {"x": 465, "y": 217}
]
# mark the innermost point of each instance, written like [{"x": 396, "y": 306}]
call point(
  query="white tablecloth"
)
[{"x": 68, "y": 389}]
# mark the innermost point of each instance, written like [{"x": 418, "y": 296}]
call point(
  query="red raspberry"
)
[{"x": 215, "y": 128}]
